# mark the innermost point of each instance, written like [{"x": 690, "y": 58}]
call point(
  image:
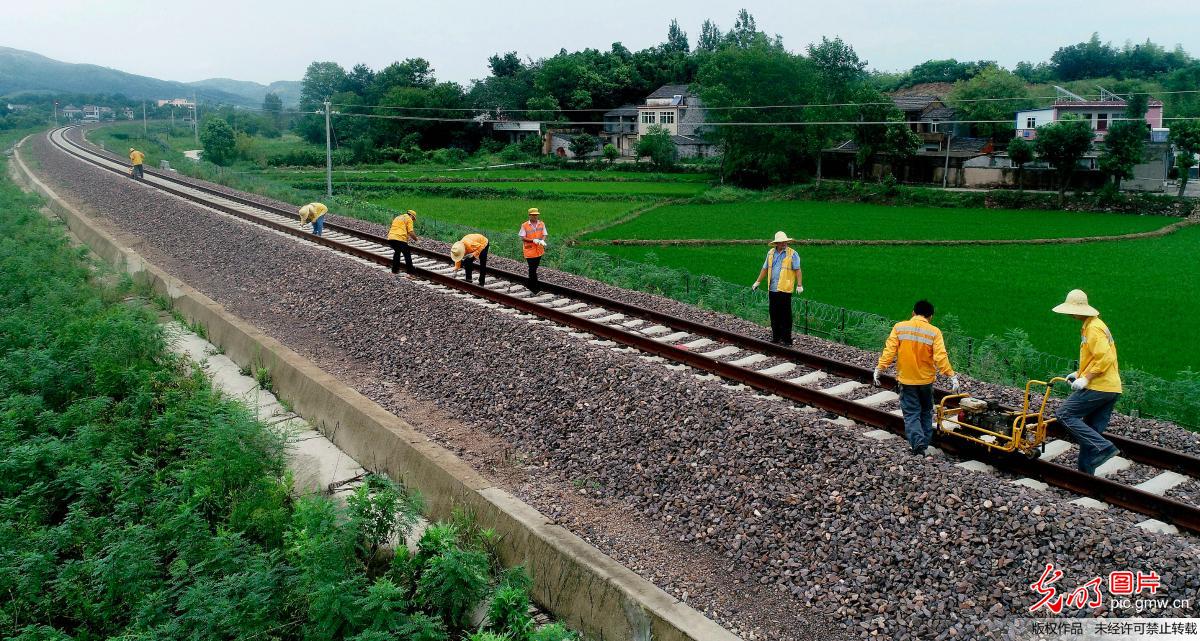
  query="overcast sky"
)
[{"x": 267, "y": 40}]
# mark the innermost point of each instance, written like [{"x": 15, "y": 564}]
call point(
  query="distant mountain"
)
[
  {"x": 253, "y": 92},
  {"x": 28, "y": 72}
]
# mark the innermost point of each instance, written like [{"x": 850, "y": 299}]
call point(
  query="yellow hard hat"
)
[{"x": 457, "y": 251}]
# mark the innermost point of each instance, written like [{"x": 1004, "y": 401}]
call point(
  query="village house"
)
[
  {"x": 679, "y": 111},
  {"x": 621, "y": 129},
  {"x": 1099, "y": 114}
]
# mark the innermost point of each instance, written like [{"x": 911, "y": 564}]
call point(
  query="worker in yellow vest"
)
[
  {"x": 314, "y": 212},
  {"x": 919, "y": 351},
  {"x": 782, "y": 270},
  {"x": 399, "y": 235},
  {"x": 533, "y": 245},
  {"x": 136, "y": 158},
  {"x": 1095, "y": 386},
  {"x": 472, "y": 247}
]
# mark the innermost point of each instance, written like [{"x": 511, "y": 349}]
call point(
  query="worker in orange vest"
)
[
  {"x": 136, "y": 158},
  {"x": 533, "y": 244},
  {"x": 471, "y": 248},
  {"x": 919, "y": 351}
]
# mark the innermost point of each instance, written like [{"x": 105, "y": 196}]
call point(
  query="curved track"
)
[{"x": 820, "y": 382}]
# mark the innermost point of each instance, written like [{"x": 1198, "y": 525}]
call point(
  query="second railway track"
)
[{"x": 834, "y": 386}]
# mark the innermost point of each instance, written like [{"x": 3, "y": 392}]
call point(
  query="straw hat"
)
[
  {"x": 533, "y": 211},
  {"x": 131, "y": 149},
  {"x": 1076, "y": 305},
  {"x": 413, "y": 213},
  {"x": 781, "y": 237},
  {"x": 457, "y": 251}
]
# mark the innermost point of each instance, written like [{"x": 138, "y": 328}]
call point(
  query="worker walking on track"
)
[
  {"x": 1096, "y": 386},
  {"x": 314, "y": 212},
  {"x": 472, "y": 247},
  {"x": 919, "y": 351},
  {"x": 782, "y": 267},
  {"x": 533, "y": 244},
  {"x": 399, "y": 235},
  {"x": 136, "y": 158}
]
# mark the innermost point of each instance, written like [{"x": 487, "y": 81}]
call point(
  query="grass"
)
[
  {"x": 571, "y": 187},
  {"x": 563, "y": 217},
  {"x": 424, "y": 173},
  {"x": 1146, "y": 289},
  {"x": 162, "y": 142},
  {"x": 809, "y": 219}
]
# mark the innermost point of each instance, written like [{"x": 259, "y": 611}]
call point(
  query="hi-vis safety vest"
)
[
  {"x": 1098, "y": 357},
  {"x": 312, "y": 211},
  {"x": 529, "y": 233},
  {"x": 136, "y": 157},
  {"x": 402, "y": 226},
  {"x": 787, "y": 275},
  {"x": 920, "y": 351}
]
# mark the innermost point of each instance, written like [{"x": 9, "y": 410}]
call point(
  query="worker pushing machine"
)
[
  {"x": 399, "y": 235},
  {"x": 136, "y": 158},
  {"x": 1096, "y": 386},
  {"x": 919, "y": 351},
  {"x": 314, "y": 212},
  {"x": 782, "y": 267},
  {"x": 472, "y": 247},
  {"x": 533, "y": 245}
]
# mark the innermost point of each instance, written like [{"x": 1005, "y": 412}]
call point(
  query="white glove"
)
[
  {"x": 954, "y": 386},
  {"x": 876, "y": 377},
  {"x": 800, "y": 289},
  {"x": 1072, "y": 376},
  {"x": 1079, "y": 383},
  {"x": 755, "y": 285},
  {"x": 540, "y": 242}
]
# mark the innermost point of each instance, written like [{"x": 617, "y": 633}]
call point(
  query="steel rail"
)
[{"x": 1182, "y": 515}]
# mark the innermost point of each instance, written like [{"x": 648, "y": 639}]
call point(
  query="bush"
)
[{"x": 309, "y": 157}]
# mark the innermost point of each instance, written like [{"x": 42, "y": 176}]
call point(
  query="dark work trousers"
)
[
  {"x": 916, "y": 403},
  {"x": 137, "y": 172},
  {"x": 400, "y": 247},
  {"x": 469, "y": 264},
  {"x": 533, "y": 281},
  {"x": 781, "y": 317},
  {"x": 1085, "y": 414}
]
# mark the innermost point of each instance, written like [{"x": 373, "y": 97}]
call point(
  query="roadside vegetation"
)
[{"x": 139, "y": 503}]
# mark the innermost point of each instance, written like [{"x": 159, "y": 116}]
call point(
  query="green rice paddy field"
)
[
  {"x": 1147, "y": 290},
  {"x": 809, "y": 219},
  {"x": 563, "y": 217}
]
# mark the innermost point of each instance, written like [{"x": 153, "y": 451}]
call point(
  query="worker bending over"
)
[
  {"x": 136, "y": 158},
  {"x": 471, "y": 248},
  {"x": 533, "y": 245},
  {"x": 1096, "y": 386},
  {"x": 399, "y": 235},
  {"x": 783, "y": 267},
  {"x": 919, "y": 351},
  {"x": 314, "y": 212}
]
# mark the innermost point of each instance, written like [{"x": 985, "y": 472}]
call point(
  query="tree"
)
[
  {"x": 976, "y": 99},
  {"x": 744, "y": 32},
  {"x": 900, "y": 143},
  {"x": 542, "y": 108},
  {"x": 657, "y": 144},
  {"x": 218, "y": 140},
  {"x": 710, "y": 37},
  {"x": 1020, "y": 151},
  {"x": 583, "y": 144},
  {"x": 871, "y": 108},
  {"x": 611, "y": 153},
  {"x": 949, "y": 70},
  {"x": 273, "y": 107},
  {"x": 507, "y": 65},
  {"x": 1185, "y": 135},
  {"x": 677, "y": 41},
  {"x": 1091, "y": 59},
  {"x": 1125, "y": 142},
  {"x": 1063, "y": 144},
  {"x": 838, "y": 65},
  {"x": 763, "y": 73}
]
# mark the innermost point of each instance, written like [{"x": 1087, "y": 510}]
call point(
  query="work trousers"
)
[
  {"x": 1085, "y": 414},
  {"x": 916, "y": 403},
  {"x": 318, "y": 225},
  {"x": 399, "y": 247},
  {"x": 137, "y": 172},
  {"x": 469, "y": 264},
  {"x": 781, "y": 317},
  {"x": 533, "y": 280}
]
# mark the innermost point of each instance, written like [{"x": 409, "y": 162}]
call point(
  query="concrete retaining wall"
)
[{"x": 588, "y": 590}]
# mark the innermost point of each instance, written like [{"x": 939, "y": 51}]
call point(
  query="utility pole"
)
[
  {"x": 145, "y": 134},
  {"x": 172, "y": 120},
  {"x": 56, "y": 113},
  {"x": 196, "y": 116},
  {"x": 946, "y": 168},
  {"x": 328, "y": 156}
]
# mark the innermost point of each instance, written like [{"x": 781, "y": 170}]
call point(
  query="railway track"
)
[{"x": 815, "y": 381}]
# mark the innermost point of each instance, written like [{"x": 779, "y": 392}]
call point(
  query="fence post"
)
[
  {"x": 806, "y": 316},
  {"x": 843, "y": 326},
  {"x": 970, "y": 350}
]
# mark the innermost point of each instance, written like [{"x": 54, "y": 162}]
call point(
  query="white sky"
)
[{"x": 267, "y": 40}]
